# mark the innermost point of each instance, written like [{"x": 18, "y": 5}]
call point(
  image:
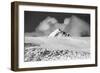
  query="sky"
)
[{"x": 43, "y": 23}]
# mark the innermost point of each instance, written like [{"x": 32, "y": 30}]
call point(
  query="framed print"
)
[{"x": 52, "y": 36}]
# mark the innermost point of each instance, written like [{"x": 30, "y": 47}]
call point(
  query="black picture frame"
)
[{"x": 15, "y": 33}]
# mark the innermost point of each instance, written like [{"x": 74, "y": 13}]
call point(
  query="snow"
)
[
  {"x": 79, "y": 46},
  {"x": 56, "y": 43}
]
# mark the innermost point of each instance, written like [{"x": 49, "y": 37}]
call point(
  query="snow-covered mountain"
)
[{"x": 59, "y": 33}]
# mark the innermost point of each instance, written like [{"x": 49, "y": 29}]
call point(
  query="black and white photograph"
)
[
  {"x": 56, "y": 36},
  {"x": 53, "y": 36}
]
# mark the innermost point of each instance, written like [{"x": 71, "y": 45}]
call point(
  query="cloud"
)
[
  {"x": 74, "y": 25},
  {"x": 48, "y": 25},
  {"x": 77, "y": 27}
]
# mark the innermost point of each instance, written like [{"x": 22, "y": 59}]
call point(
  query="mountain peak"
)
[{"x": 59, "y": 33}]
